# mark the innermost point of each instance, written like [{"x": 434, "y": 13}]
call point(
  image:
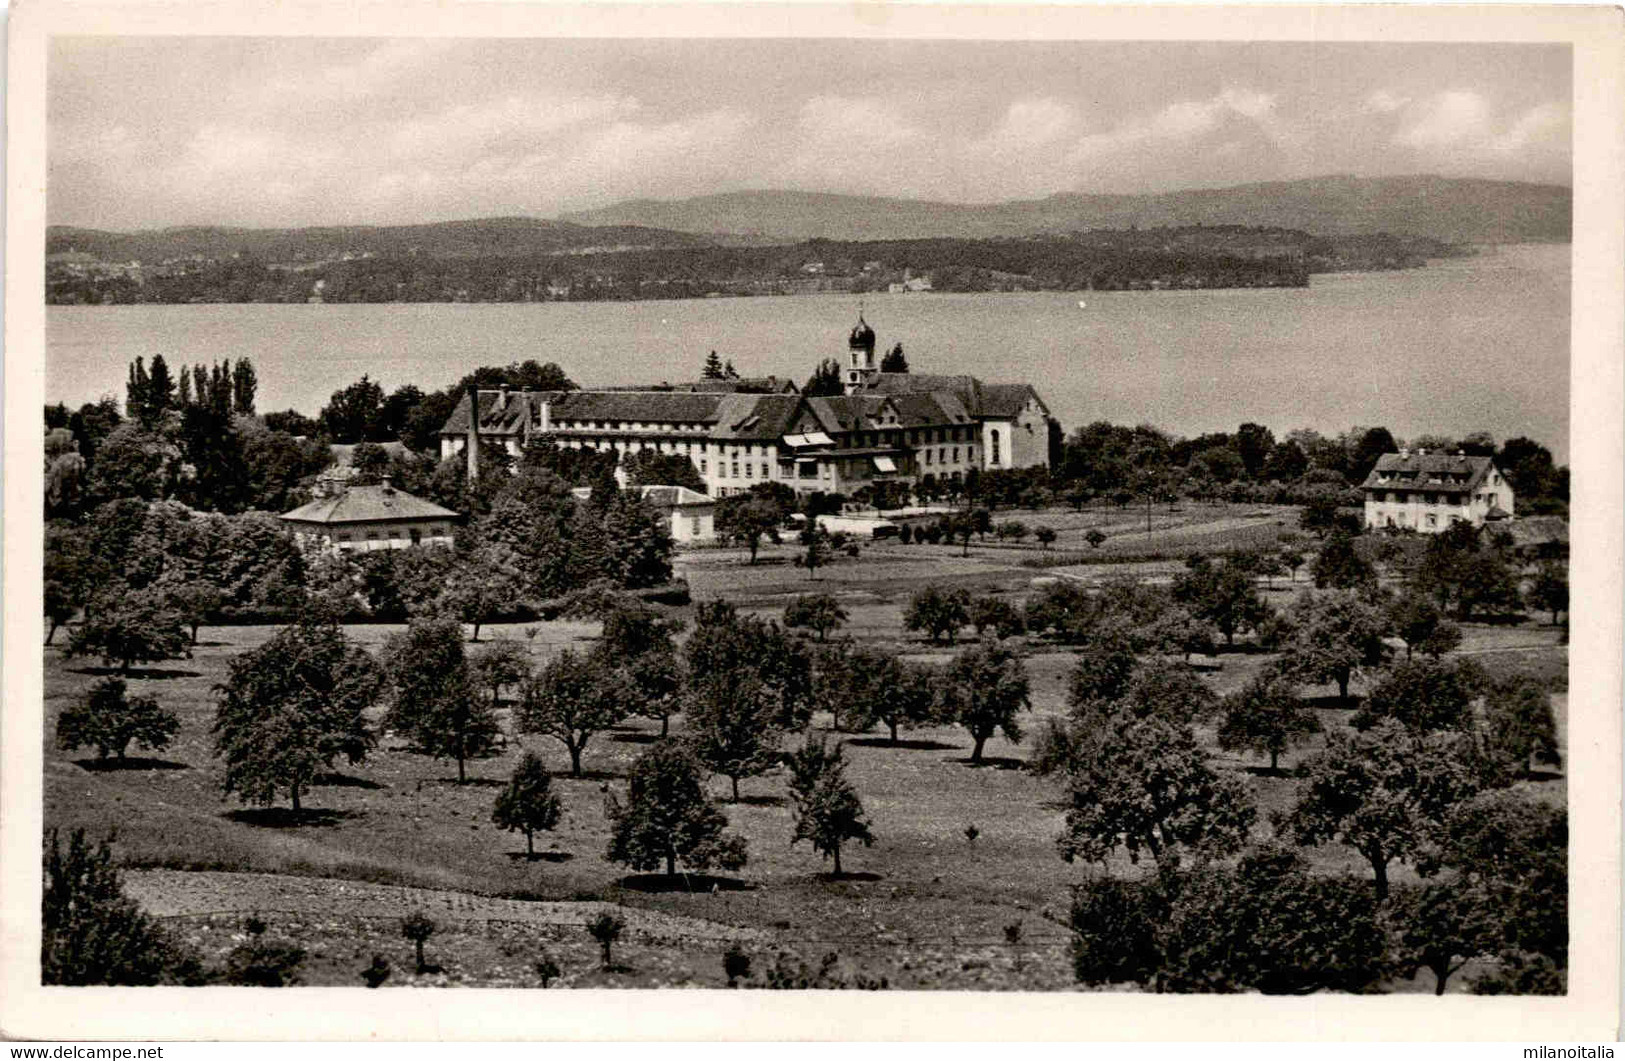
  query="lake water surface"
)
[{"x": 1463, "y": 345}]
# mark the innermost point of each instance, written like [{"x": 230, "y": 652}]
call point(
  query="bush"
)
[
  {"x": 92, "y": 933},
  {"x": 266, "y": 963},
  {"x": 110, "y": 721},
  {"x": 606, "y": 928}
]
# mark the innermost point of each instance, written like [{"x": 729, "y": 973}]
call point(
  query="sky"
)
[{"x": 281, "y": 132}]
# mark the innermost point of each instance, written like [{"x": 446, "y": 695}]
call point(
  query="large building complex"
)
[
  {"x": 1427, "y": 492},
  {"x": 887, "y": 427}
]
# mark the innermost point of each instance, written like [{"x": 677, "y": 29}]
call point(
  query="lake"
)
[{"x": 1463, "y": 345}]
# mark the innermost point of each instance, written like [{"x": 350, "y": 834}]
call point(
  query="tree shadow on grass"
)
[
  {"x": 338, "y": 780},
  {"x": 473, "y": 782},
  {"x": 540, "y": 856},
  {"x": 1330, "y": 703},
  {"x": 637, "y": 737},
  {"x": 684, "y": 882},
  {"x": 137, "y": 673},
  {"x": 1544, "y": 775},
  {"x": 113, "y": 766},
  {"x": 588, "y": 775},
  {"x": 1264, "y": 771},
  {"x": 903, "y": 745},
  {"x": 838, "y": 878},
  {"x": 994, "y": 762},
  {"x": 288, "y": 818}
]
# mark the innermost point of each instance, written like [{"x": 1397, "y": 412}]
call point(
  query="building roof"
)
[
  {"x": 675, "y": 496},
  {"x": 756, "y": 417},
  {"x": 1008, "y": 399},
  {"x": 367, "y": 504},
  {"x": 1445, "y": 473},
  {"x": 1538, "y": 530}
]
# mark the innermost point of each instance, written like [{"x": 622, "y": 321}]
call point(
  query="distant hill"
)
[
  {"x": 1442, "y": 208},
  {"x": 490, "y": 237}
]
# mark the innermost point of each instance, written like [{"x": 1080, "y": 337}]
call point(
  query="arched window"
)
[{"x": 994, "y": 456}]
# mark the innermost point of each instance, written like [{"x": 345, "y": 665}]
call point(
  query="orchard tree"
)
[
  {"x": 130, "y": 628},
  {"x": 1519, "y": 723},
  {"x": 938, "y": 612},
  {"x": 1418, "y": 622},
  {"x": 195, "y": 602},
  {"x": 1550, "y": 590},
  {"x": 290, "y": 707},
  {"x": 1426, "y": 695},
  {"x": 1045, "y": 536},
  {"x": 828, "y": 812},
  {"x": 1222, "y": 594},
  {"x": 996, "y": 614},
  {"x": 1266, "y": 716},
  {"x": 1142, "y": 784},
  {"x": 732, "y": 648},
  {"x": 1339, "y": 565},
  {"x": 901, "y": 693},
  {"x": 110, "y": 721},
  {"x": 574, "y": 696},
  {"x": 499, "y": 663},
  {"x": 480, "y": 588},
  {"x": 60, "y": 605},
  {"x": 732, "y": 724},
  {"x": 434, "y": 699},
  {"x": 1330, "y": 636},
  {"x": 819, "y": 612},
  {"x": 985, "y": 688},
  {"x": 527, "y": 803},
  {"x": 1382, "y": 792},
  {"x": 668, "y": 819},
  {"x": 745, "y": 519},
  {"x": 643, "y": 645}
]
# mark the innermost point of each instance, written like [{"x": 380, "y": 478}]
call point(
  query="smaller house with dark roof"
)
[
  {"x": 357, "y": 519},
  {"x": 1427, "y": 492}
]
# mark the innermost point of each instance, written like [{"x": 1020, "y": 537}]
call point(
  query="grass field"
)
[{"x": 925, "y": 907}]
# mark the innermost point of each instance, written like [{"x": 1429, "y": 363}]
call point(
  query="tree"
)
[
  {"x": 816, "y": 539},
  {"x": 825, "y": 382},
  {"x": 528, "y": 803},
  {"x": 1223, "y": 594},
  {"x": 667, "y": 818},
  {"x": 1102, "y": 674},
  {"x": 1441, "y": 927},
  {"x": 1339, "y": 565},
  {"x": 986, "y": 686},
  {"x": 898, "y": 693},
  {"x": 894, "y": 361},
  {"x": 91, "y": 933},
  {"x": 352, "y": 414},
  {"x": 606, "y": 928},
  {"x": 1095, "y": 538},
  {"x": 109, "y": 721},
  {"x": 732, "y": 723},
  {"x": 1550, "y": 591},
  {"x": 1519, "y": 723},
  {"x": 1382, "y": 792},
  {"x": 1265, "y": 716},
  {"x": 195, "y": 602},
  {"x": 571, "y": 698},
  {"x": 1292, "y": 559},
  {"x": 480, "y": 588},
  {"x": 60, "y": 603},
  {"x": 713, "y": 367},
  {"x": 996, "y": 614},
  {"x": 418, "y": 927},
  {"x": 130, "y": 628},
  {"x": 819, "y": 612},
  {"x": 1143, "y": 784},
  {"x": 1331, "y": 636},
  {"x": 292, "y": 706},
  {"x": 1418, "y": 622},
  {"x": 827, "y": 809},
  {"x": 745, "y": 519},
  {"x": 1425, "y": 695},
  {"x": 1046, "y": 536},
  {"x": 649, "y": 468},
  {"x": 1372, "y": 445},
  {"x": 244, "y": 384},
  {"x": 729, "y": 647},
  {"x": 938, "y": 612},
  {"x": 499, "y": 663},
  {"x": 434, "y": 699},
  {"x": 643, "y": 644},
  {"x": 1255, "y": 444}
]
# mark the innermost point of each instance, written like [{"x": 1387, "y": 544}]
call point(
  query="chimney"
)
[
  {"x": 472, "y": 449},
  {"x": 388, "y": 488},
  {"x": 502, "y": 399},
  {"x": 1421, "y": 453},
  {"x": 1405, "y": 453},
  {"x": 547, "y": 416}
]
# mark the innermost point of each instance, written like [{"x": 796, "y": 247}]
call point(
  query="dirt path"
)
[{"x": 171, "y": 893}]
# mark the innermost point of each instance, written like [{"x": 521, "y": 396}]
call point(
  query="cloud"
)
[
  {"x": 1383, "y": 101},
  {"x": 1447, "y": 119}
]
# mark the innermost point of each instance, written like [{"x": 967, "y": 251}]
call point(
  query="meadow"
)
[{"x": 964, "y": 887}]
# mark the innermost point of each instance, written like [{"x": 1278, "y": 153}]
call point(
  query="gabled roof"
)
[
  {"x": 674, "y": 496},
  {"x": 1008, "y": 399},
  {"x": 367, "y": 504},
  {"x": 1538, "y": 530},
  {"x": 1446, "y": 473},
  {"x": 755, "y": 417}
]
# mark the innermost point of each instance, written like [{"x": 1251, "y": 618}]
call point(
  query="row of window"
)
[
  {"x": 1427, "y": 499},
  {"x": 434, "y": 530}
]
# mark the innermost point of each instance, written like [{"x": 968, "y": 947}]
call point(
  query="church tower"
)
[{"x": 860, "y": 364}]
